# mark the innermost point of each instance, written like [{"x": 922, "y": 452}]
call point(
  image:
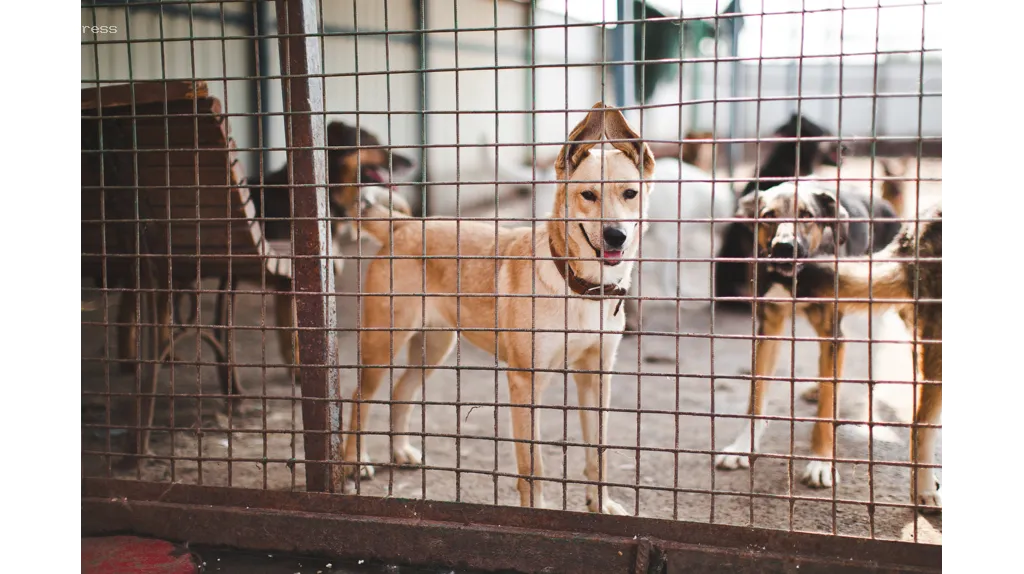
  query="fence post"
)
[
  {"x": 302, "y": 83},
  {"x": 624, "y": 72}
]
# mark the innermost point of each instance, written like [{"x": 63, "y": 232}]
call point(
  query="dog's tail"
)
[
  {"x": 894, "y": 191},
  {"x": 380, "y": 212},
  {"x": 883, "y": 282},
  {"x": 886, "y": 280}
]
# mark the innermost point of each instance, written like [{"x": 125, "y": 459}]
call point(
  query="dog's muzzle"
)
[
  {"x": 613, "y": 239},
  {"x": 784, "y": 257}
]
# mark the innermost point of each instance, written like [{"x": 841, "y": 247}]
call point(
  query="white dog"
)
[{"x": 681, "y": 238}]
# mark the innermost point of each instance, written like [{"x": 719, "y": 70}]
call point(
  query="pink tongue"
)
[
  {"x": 377, "y": 176},
  {"x": 612, "y": 254}
]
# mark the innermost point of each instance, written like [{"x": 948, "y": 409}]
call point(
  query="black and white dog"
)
[{"x": 788, "y": 160}]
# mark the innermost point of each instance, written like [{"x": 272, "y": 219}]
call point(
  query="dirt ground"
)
[{"x": 672, "y": 483}]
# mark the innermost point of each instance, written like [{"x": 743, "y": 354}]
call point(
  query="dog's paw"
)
[
  {"x": 929, "y": 502},
  {"x": 819, "y": 474},
  {"x": 608, "y": 506},
  {"x": 407, "y": 455},
  {"x": 364, "y": 469},
  {"x": 727, "y": 461}
]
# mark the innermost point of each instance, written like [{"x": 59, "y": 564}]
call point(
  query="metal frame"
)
[
  {"x": 424, "y": 532},
  {"x": 323, "y": 521},
  {"x": 303, "y": 96}
]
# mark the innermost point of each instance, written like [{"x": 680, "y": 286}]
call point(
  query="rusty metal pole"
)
[{"x": 302, "y": 84}]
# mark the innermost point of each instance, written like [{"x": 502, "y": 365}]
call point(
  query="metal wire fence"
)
[{"x": 321, "y": 205}]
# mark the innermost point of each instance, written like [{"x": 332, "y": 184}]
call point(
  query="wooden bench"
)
[{"x": 165, "y": 204}]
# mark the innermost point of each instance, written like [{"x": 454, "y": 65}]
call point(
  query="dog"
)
[
  {"x": 787, "y": 160},
  {"x": 793, "y": 222},
  {"x": 906, "y": 276},
  {"x": 569, "y": 276},
  {"x": 354, "y": 156}
]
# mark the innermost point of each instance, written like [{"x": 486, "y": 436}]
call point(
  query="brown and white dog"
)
[
  {"x": 794, "y": 222},
  {"x": 539, "y": 299},
  {"x": 907, "y": 276},
  {"x": 354, "y": 156}
]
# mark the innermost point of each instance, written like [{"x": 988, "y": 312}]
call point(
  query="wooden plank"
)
[
  {"x": 165, "y": 175},
  {"x": 158, "y": 121},
  {"x": 204, "y": 137},
  {"x": 183, "y": 212},
  {"x": 121, "y": 136},
  {"x": 137, "y": 183},
  {"x": 144, "y": 92},
  {"x": 173, "y": 109},
  {"x": 212, "y": 200},
  {"x": 213, "y": 238},
  {"x": 152, "y": 125},
  {"x": 304, "y": 130},
  {"x": 205, "y": 158},
  {"x": 116, "y": 236}
]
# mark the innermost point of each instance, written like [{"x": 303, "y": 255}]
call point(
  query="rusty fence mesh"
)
[{"x": 290, "y": 209}]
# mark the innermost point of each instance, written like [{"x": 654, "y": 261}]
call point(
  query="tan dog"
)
[{"x": 528, "y": 295}]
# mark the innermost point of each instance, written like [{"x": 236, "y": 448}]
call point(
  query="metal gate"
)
[{"x": 256, "y": 263}]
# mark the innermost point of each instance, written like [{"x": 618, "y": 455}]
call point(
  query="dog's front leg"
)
[
  {"x": 426, "y": 349},
  {"x": 923, "y": 439},
  {"x": 285, "y": 321},
  {"x": 766, "y": 351},
  {"x": 821, "y": 473},
  {"x": 336, "y": 250},
  {"x": 594, "y": 393},
  {"x": 524, "y": 389}
]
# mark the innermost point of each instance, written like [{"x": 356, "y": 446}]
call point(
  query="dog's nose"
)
[
  {"x": 614, "y": 237},
  {"x": 783, "y": 250}
]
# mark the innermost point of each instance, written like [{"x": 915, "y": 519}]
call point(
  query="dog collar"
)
[{"x": 582, "y": 286}]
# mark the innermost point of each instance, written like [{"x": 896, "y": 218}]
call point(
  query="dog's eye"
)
[
  {"x": 770, "y": 214},
  {"x": 629, "y": 193},
  {"x": 804, "y": 214},
  {"x": 589, "y": 195}
]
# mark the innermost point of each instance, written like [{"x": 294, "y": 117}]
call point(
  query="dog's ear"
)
[
  {"x": 604, "y": 122},
  {"x": 835, "y": 214},
  {"x": 401, "y": 163},
  {"x": 788, "y": 129},
  {"x": 583, "y": 137},
  {"x": 749, "y": 205},
  {"x": 340, "y": 134},
  {"x": 894, "y": 168},
  {"x": 617, "y": 128}
]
